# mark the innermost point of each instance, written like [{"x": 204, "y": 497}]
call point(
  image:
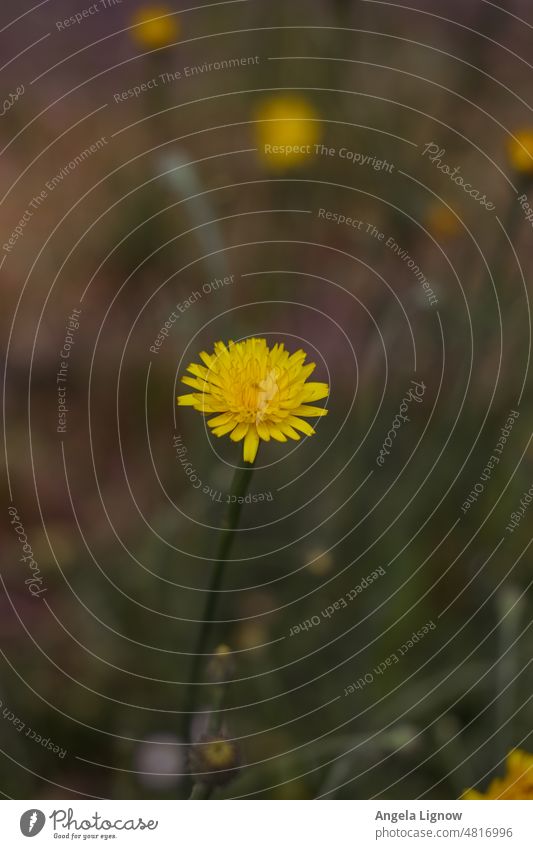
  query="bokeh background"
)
[{"x": 181, "y": 193}]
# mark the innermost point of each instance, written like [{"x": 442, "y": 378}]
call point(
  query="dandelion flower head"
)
[
  {"x": 517, "y": 782},
  {"x": 254, "y": 393}
]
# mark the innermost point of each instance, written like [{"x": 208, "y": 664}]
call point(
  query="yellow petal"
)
[
  {"x": 204, "y": 374},
  {"x": 276, "y": 433},
  {"x": 187, "y": 400},
  {"x": 263, "y": 431},
  {"x": 251, "y": 444},
  {"x": 222, "y": 430},
  {"x": 312, "y": 412},
  {"x": 519, "y": 761},
  {"x": 240, "y": 432},
  {"x": 223, "y": 419},
  {"x": 300, "y": 372},
  {"x": 207, "y": 359},
  {"x": 298, "y": 357},
  {"x": 198, "y": 371},
  {"x": 289, "y": 431},
  {"x": 195, "y": 383},
  {"x": 314, "y": 391},
  {"x": 301, "y": 425}
]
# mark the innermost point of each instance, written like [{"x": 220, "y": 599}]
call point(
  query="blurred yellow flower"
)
[
  {"x": 440, "y": 221},
  {"x": 221, "y": 666},
  {"x": 320, "y": 562},
  {"x": 516, "y": 784},
  {"x": 155, "y": 26},
  {"x": 214, "y": 760},
  {"x": 257, "y": 392},
  {"x": 288, "y": 127},
  {"x": 520, "y": 151}
]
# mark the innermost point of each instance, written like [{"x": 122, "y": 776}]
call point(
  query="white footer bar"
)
[{"x": 267, "y": 824}]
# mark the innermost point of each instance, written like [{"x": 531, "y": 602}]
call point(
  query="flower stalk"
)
[
  {"x": 239, "y": 488},
  {"x": 200, "y": 791}
]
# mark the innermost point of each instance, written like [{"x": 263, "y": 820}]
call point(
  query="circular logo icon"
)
[{"x": 32, "y": 822}]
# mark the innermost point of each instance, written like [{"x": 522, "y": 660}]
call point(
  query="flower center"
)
[{"x": 255, "y": 395}]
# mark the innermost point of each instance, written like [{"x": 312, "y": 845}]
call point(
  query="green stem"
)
[
  {"x": 200, "y": 791},
  {"x": 239, "y": 487},
  {"x": 217, "y": 706},
  {"x": 510, "y": 618}
]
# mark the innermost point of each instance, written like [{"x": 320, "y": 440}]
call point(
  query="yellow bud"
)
[
  {"x": 288, "y": 127},
  {"x": 214, "y": 760},
  {"x": 320, "y": 562},
  {"x": 155, "y": 26},
  {"x": 520, "y": 151}
]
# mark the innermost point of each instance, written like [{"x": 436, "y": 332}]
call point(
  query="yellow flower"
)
[
  {"x": 516, "y": 784},
  {"x": 320, "y": 562},
  {"x": 155, "y": 26},
  {"x": 520, "y": 151},
  {"x": 287, "y": 130},
  {"x": 257, "y": 392},
  {"x": 214, "y": 760}
]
